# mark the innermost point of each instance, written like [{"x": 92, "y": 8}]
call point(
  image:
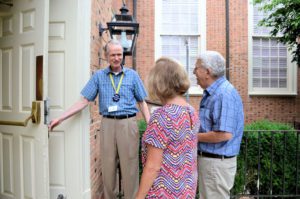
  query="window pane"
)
[
  {"x": 265, "y": 51},
  {"x": 265, "y": 72},
  {"x": 265, "y": 62},
  {"x": 180, "y": 16},
  {"x": 265, "y": 42},
  {"x": 274, "y": 63},
  {"x": 269, "y": 63},
  {"x": 274, "y": 43},
  {"x": 257, "y": 62},
  {"x": 175, "y": 47},
  {"x": 256, "y": 51},
  {"x": 282, "y": 73},
  {"x": 282, "y": 51},
  {"x": 274, "y": 83},
  {"x": 256, "y": 42},
  {"x": 257, "y": 16},
  {"x": 256, "y": 82},
  {"x": 282, "y": 83},
  {"x": 283, "y": 62},
  {"x": 274, "y": 73},
  {"x": 274, "y": 52},
  {"x": 265, "y": 83},
  {"x": 256, "y": 72}
]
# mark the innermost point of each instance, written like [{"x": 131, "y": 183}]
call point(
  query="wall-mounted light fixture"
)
[
  {"x": 6, "y": 3},
  {"x": 124, "y": 28}
]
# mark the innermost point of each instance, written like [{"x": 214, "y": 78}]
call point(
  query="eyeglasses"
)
[{"x": 197, "y": 67}]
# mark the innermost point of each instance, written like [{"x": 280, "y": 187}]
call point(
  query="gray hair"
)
[
  {"x": 213, "y": 60},
  {"x": 111, "y": 42}
]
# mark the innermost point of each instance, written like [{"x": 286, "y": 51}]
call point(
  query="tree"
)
[{"x": 284, "y": 20}]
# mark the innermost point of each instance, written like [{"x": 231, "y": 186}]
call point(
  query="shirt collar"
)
[
  {"x": 108, "y": 71},
  {"x": 213, "y": 87}
]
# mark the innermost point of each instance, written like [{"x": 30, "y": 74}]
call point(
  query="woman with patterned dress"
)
[{"x": 169, "y": 145}]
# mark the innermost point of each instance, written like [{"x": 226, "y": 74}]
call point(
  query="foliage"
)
[
  {"x": 267, "y": 161},
  {"x": 284, "y": 19},
  {"x": 142, "y": 126}
]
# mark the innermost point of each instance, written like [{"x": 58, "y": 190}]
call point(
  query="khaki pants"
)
[
  {"x": 216, "y": 177},
  {"x": 119, "y": 139}
]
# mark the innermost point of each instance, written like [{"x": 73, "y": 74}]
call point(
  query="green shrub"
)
[
  {"x": 142, "y": 126},
  {"x": 274, "y": 152}
]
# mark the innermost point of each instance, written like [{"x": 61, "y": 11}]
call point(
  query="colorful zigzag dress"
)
[{"x": 173, "y": 128}]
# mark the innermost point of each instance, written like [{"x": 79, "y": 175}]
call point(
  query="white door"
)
[
  {"x": 69, "y": 60},
  {"x": 23, "y": 150}
]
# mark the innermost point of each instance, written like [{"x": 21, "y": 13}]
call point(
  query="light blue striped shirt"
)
[
  {"x": 221, "y": 109},
  {"x": 131, "y": 91}
]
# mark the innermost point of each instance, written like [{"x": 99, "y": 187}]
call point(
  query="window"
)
[
  {"x": 270, "y": 69},
  {"x": 178, "y": 22}
]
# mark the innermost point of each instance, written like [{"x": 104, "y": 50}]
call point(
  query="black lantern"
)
[{"x": 124, "y": 28}]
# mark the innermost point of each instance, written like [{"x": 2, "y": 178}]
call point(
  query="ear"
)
[{"x": 208, "y": 71}]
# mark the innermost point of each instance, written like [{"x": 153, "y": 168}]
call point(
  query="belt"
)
[
  {"x": 211, "y": 155},
  {"x": 119, "y": 117}
]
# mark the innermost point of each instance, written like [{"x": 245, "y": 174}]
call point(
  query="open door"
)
[
  {"x": 24, "y": 165},
  {"x": 68, "y": 71}
]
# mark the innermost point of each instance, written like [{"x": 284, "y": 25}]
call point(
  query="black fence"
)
[{"x": 268, "y": 165}]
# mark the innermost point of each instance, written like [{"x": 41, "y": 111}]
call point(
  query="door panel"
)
[
  {"x": 69, "y": 49},
  {"x": 23, "y": 150}
]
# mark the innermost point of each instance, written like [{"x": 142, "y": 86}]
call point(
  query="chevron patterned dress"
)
[{"x": 173, "y": 128}]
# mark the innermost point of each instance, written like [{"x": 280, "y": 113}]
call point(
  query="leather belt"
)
[
  {"x": 211, "y": 155},
  {"x": 119, "y": 117}
]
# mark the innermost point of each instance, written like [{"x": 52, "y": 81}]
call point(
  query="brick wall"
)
[
  {"x": 101, "y": 13},
  {"x": 275, "y": 108}
]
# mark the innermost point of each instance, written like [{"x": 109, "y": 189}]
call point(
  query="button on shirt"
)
[
  {"x": 131, "y": 91},
  {"x": 221, "y": 109}
]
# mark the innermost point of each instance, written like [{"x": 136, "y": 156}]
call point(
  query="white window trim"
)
[
  {"x": 292, "y": 67},
  {"x": 194, "y": 90}
]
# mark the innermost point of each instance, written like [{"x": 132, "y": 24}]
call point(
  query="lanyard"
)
[{"x": 113, "y": 83}]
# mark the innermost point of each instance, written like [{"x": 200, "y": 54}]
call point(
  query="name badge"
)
[{"x": 112, "y": 108}]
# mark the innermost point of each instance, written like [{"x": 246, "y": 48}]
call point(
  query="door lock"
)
[{"x": 61, "y": 196}]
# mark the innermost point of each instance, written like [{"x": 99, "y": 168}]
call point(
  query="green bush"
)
[
  {"x": 142, "y": 126},
  {"x": 274, "y": 152}
]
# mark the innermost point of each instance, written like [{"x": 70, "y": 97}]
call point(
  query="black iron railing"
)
[{"x": 268, "y": 165}]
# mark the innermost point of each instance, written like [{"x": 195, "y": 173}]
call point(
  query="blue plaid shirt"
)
[
  {"x": 221, "y": 109},
  {"x": 131, "y": 91}
]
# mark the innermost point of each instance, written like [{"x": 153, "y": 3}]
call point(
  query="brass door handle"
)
[{"x": 35, "y": 116}]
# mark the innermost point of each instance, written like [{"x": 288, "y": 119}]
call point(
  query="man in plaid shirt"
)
[
  {"x": 221, "y": 127},
  {"x": 118, "y": 89}
]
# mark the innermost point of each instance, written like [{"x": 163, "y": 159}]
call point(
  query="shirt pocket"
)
[{"x": 206, "y": 121}]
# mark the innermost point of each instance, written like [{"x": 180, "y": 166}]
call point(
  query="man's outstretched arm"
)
[{"x": 75, "y": 108}]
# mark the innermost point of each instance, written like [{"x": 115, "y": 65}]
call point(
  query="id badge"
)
[{"x": 112, "y": 108}]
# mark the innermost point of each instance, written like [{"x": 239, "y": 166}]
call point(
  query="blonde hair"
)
[{"x": 167, "y": 79}]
